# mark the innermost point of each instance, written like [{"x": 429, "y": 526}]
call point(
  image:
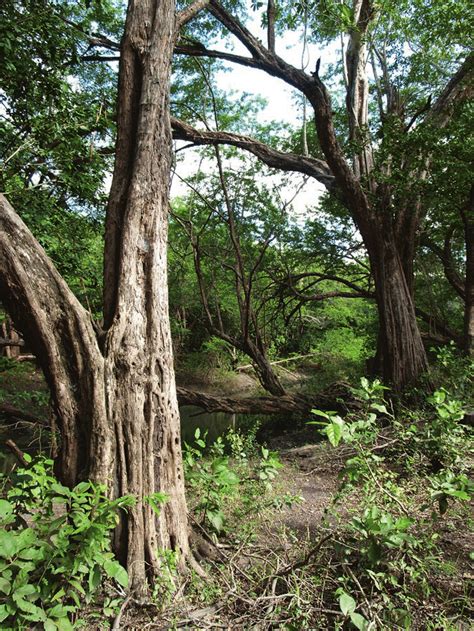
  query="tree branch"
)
[
  {"x": 271, "y": 15},
  {"x": 313, "y": 167},
  {"x": 187, "y": 14},
  {"x": 459, "y": 88}
]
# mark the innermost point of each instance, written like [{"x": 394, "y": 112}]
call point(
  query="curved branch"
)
[
  {"x": 444, "y": 254},
  {"x": 458, "y": 89},
  {"x": 61, "y": 334},
  {"x": 313, "y": 167}
]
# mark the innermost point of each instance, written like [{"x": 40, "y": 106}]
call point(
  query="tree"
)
[
  {"x": 113, "y": 388},
  {"x": 381, "y": 187},
  {"x": 449, "y": 231}
]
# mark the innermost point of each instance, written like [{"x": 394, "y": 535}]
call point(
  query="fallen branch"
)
[
  {"x": 118, "y": 617},
  {"x": 287, "y": 403},
  {"x": 280, "y": 361},
  {"x": 16, "y": 451},
  {"x": 15, "y": 414},
  {"x": 6, "y": 341}
]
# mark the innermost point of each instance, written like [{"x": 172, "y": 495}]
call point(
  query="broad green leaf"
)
[
  {"x": 379, "y": 408},
  {"x": 216, "y": 518},
  {"x": 334, "y": 433},
  {"x": 114, "y": 570},
  {"x": 5, "y": 585},
  {"x": 6, "y": 509},
  {"x": 60, "y": 611},
  {"x": 8, "y": 544},
  {"x": 5, "y": 611},
  {"x": 25, "y": 590},
  {"x": 35, "y": 613},
  {"x": 359, "y": 621},
  {"x": 346, "y": 603}
]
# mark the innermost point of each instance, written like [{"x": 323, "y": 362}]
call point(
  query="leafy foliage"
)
[
  {"x": 217, "y": 479},
  {"x": 54, "y": 547}
]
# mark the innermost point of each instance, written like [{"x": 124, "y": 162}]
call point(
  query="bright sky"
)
[{"x": 283, "y": 105}]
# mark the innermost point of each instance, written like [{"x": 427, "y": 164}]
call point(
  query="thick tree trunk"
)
[
  {"x": 401, "y": 357},
  {"x": 116, "y": 400},
  {"x": 62, "y": 337},
  {"x": 139, "y": 374}
]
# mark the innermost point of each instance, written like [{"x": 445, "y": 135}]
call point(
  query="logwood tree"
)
[
  {"x": 113, "y": 388},
  {"x": 377, "y": 170}
]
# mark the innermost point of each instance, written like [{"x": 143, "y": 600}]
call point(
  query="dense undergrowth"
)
[{"x": 391, "y": 550}]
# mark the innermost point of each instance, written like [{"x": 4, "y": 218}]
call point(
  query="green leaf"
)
[
  {"x": 8, "y": 544},
  {"x": 36, "y": 614},
  {"x": 5, "y": 611},
  {"x": 114, "y": 570},
  {"x": 25, "y": 590},
  {"x": 60, "y": 611},
  {"x": 321, "y": 413},
  {"x": 379, "y": 408},
  {"x": 403, "y": 523},
  {"x": 64, "y": 624},
  {"x": 6, "y": 509},
  {"x": 359, "y": 621},
  {"x": 216, "y": 518},
  {"x": 334, "y": 432},
  {"x": 346, "y": 603},
  {"x": 5, "y": 585},
  {"x": 50, "y": 625},
  {"x": 32, "y": 554},
  {"x": 94, "y": 578}
]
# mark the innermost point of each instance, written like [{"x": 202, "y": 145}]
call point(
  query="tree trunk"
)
[
  {"x": 263, "y": 368},
  {"x": 401, "y": 357},
  {"x": 468, "y": 221},
  {"x": 116, "y": 398}
]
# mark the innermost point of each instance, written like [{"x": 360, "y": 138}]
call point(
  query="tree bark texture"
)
[
  {"x": 468, "y": 221},
  {"x": 114, "y": 393},
  {"x": 401, "y": 356}
]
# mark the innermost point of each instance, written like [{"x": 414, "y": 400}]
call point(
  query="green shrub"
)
[{"x": 54, "y": 547}]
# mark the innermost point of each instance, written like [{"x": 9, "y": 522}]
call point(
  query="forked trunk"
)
[{"x": 115, "y": 393}]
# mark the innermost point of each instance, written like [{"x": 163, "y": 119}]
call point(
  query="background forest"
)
[{"x": 275, "y": 205}]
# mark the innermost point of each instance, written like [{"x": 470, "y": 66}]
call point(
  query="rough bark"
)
[
  {"x": 468, "y": 221},
  {"x": 139, "y": 375},
  {"x": 401, "y": 356},
  {"x": 60, "y": 332},
  {"x": 114, "y": 393}
]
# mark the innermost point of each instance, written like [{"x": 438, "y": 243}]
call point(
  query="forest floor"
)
[{"x": 288, "y": 557}]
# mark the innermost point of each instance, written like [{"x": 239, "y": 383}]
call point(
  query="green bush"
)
[{"x": 54, "y": 547}]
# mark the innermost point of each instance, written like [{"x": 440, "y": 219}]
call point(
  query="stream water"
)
[{"x": 192, "y": 417}]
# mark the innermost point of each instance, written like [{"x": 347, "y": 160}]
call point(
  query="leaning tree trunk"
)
[
  {"x": 115, "y": 393},
  {"x": 262, "y": 366}
]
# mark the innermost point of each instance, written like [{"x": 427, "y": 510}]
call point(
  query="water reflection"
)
[{"x": 192, "y": 417}]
